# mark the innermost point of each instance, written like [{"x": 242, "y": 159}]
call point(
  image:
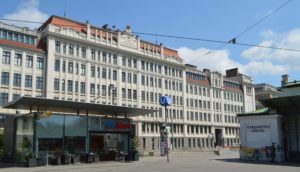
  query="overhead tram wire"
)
[
  {"x": 176, "y": 37},
  {"x": 233, "y": 40}
]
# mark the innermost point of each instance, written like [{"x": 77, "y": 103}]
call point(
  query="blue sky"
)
[{"x": 209, "y": 19}]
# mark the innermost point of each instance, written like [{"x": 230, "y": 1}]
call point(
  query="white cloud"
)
[
  {"x": 264, "y": 68},
  {"x": 289, "y": 40},
  {"x": 217, "y": 60},
  {"x": 220, "y": 60},
  {"x": 27, "y": 10}
]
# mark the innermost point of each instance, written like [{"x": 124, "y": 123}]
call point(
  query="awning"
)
[{"x": 54, "y": 105}]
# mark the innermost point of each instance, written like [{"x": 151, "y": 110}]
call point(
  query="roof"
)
[
  {"x": 284, "y": 102},
  {"x": 34, "y": 103},
  {"x": 39, "y": 47},
  {"x": 200, "y": 82},
  {"x": 81, "y": 27},
  {"x": 259, "y": 112}
]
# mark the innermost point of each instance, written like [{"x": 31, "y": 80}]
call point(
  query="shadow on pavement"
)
[{"x": 237, "y": 160}]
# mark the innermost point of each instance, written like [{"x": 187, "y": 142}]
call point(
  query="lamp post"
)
[
  {"x": 166, "y": 101},
  {"x": 112, "y": 91}
]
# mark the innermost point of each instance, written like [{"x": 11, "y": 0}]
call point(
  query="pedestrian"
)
[{"x": 273, "y": 151}]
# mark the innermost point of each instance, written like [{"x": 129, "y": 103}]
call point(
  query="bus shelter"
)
[{"x": 58, "y": 128}]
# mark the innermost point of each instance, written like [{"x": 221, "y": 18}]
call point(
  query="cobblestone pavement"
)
[{"x": 179, "y": 162}]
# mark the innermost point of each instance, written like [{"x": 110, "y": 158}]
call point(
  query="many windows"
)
[
  {"x": 6, "y": 57},
  {"x": 18, "y": 59},
  {"x": 5, "y": 78}
]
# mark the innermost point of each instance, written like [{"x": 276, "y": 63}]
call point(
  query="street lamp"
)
[{"x": 112, "y": 89}]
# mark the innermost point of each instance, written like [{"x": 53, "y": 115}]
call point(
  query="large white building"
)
[{"x": 70, "y": 60}]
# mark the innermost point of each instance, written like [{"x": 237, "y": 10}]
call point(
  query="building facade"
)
[
  {"x": 70, "y": 60},
  {"x": 265, "y": 91}
]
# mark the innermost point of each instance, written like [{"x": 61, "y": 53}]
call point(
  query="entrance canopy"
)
[{"x": 34, "y": 103}]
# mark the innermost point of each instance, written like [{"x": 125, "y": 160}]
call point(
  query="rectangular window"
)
[
  {"x": 92, "y": 88},
  {"x": 56, "y": 84},
  {"x": 64, "y": 66},
  {"x": 129, "y": 77},
  {"x": 71, "y": 49},
  {"x": 134, "y": 94},
  {"x": 70, "y": 86},
  {"x": 129, "y": 93},
  {"x": 6, "y": 57},
  {"x": 16, "y": 97},
  {"x": 82, "y": 71},
  {"x": 104, "y": 57},
  {"x": 124, "y": 61},
  {"x": 103, "y": 90},
  {"x": 134, "y": 78},
  {"x": 63, "y": 85},
  {"x": 29, "y": 61},
  {"x": 57, "y": 46},
  {"x": 134, "y": 63},
  {"x": 57, "y": 65},
  {"x": 39, "y": 82},
  {"x": 18, "y": 59},
  {"x": 77, "y": 68},
  {"x": 76, "y": 86},
  {"x": 70, "y": 67},
  {"x": 114, "y": 75},
  {"x": 40, "y": 63},
  {"x": 104, "y": 73},
  {"x": 28, "y": 81},
  {"x": 83, "y": 52},
  {"x": 93, "y": 71},
  {"x": 5, "y": 78},
  {"x": 124, "y": 93},
  {"x": 123, "y": 77},
  {"x": 115, "y": 58},
  {"x": 93, "y": 53},
  {"x": 17, "y": 80},
  {"x": 3, "y": 99},
  {"x": 82, "y": 87},
  {"x": 64, "y": 48}
]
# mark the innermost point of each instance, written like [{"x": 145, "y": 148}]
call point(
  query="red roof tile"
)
[{"x": 40, "y": 47}]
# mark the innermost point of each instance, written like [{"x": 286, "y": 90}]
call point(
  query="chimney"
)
[
  {"x": 88, "y": 29},
  {"x": 284, "y": 79}
]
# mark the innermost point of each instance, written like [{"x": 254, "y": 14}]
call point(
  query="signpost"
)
[{"x": 166, "y": 101}]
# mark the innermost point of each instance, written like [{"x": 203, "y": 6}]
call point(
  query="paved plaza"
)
[{"x": 179, "y": 162}]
